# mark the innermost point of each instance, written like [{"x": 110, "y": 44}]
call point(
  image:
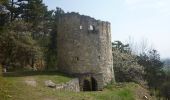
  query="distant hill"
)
[{"x": 166, "y": 64}]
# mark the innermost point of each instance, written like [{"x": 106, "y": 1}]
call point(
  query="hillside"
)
[{"x": 16, "y": 87}]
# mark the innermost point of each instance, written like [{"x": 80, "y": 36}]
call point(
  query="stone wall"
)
[
  {"x": 84, "y": 46},
  {"x": 98, "y": 78},
  {"x": 72, "y": 85}
]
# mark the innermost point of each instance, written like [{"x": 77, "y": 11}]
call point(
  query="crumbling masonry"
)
[{"x": 84, "y": 50}]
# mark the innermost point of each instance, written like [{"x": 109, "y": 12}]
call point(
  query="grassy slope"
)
[{"x": 17, "y": 89}]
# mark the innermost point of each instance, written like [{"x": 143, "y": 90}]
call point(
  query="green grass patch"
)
[
  {"x": 17, "y": 89},
  {"x": 6, "y": 88}
]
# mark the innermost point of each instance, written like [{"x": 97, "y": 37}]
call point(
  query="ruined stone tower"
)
[{"x": 84, "y": 50}]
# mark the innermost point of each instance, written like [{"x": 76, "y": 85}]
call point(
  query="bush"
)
[
  {"x": 126, "y": 67},
  {"x": 165, "y": 90}
]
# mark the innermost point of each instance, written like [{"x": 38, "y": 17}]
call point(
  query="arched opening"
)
[
  {"x": 90, "y": 84},
  {"x": 94, "y": 84},
  {"x": 86, "y": 85}
]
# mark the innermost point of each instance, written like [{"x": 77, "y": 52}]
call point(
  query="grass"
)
[
  {"x": 17, "y": 89},
  {"x": 4, "y": 89}
]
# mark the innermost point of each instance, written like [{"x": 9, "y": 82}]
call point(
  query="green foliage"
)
[
  {"x": 123, "y": 48},
  {"x": 4, "y": 1},
  {"x": 26, "y": 41},
  {"x": 4, "y": 16},
  {"x": 51, "y": 54},
  {"x": 36, "y": 11},
  {"x": 17, "y": 46},
  {"x": 156, "y": 77},
  {"x": 166, "y": 65},
  {"x": 153, "y": 68},
  {"x": 165, "y": 90},
  {"x": 29, "y": 10}
]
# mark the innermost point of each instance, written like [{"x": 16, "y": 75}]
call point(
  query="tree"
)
[
  {"x": 4, "y": 15},
  {"x": 11, "y": 5},
  {"x": 153, "y": 68},
  {"x": 12, "y": 9},
  {"x": 125, "y": 65},
  {"x": 121, "y": 47},
  {"x": 51, "y": 57},
  {"x": 137, "y": 48},
  {"x": 18, "y": 49},
  {"x": 165, "y": 90},
  {"x": 4, "y": 2},
  {"x": 32, "y": 10}
]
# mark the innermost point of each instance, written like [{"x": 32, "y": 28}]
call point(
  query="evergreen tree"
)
[
  {"x": 32, "y": 10},
  {"x": 4, "y": 2},
  {"x": 4, "y": 15},
  {"x": 165, "y": 90},
  {"x": 51, "y": 57},
  {"x": 121, "y": 47},
  {"x": 18, "y": 49}
]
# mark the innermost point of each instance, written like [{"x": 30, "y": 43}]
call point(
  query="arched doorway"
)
[
  {"x": 86, "y": 85},
  {"x": 90, "y": 84}
]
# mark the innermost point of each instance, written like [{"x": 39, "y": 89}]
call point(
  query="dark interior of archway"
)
[
  {"x": 90, "y": 85},
  {"x": 86, "y": 85},
  {"x": 94, "y": 84}
]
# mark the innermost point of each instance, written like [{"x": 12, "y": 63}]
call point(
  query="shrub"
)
[
  {"x": 126, "y": 67},
  {"x": 165, "y": 90}
]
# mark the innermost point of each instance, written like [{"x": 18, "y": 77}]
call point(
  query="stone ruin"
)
[{"x": 85, "y": 51}]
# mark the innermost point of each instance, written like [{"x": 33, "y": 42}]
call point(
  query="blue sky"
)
[{"x": 142, "y": 20}]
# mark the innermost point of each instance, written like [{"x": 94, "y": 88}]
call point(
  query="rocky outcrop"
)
[
  {"x": 49, "y": 83},
  {"x": 72, "y": 85},
  {"x": 31, "y": 82}
]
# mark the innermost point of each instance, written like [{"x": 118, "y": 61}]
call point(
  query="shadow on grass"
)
[{"x": 33, "y": 73}]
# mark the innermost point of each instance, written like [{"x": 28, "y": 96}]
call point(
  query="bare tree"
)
[{"x": 139, "y": 47}]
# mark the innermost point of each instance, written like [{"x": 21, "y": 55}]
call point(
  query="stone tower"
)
[{"x": 84, "y": 50}]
